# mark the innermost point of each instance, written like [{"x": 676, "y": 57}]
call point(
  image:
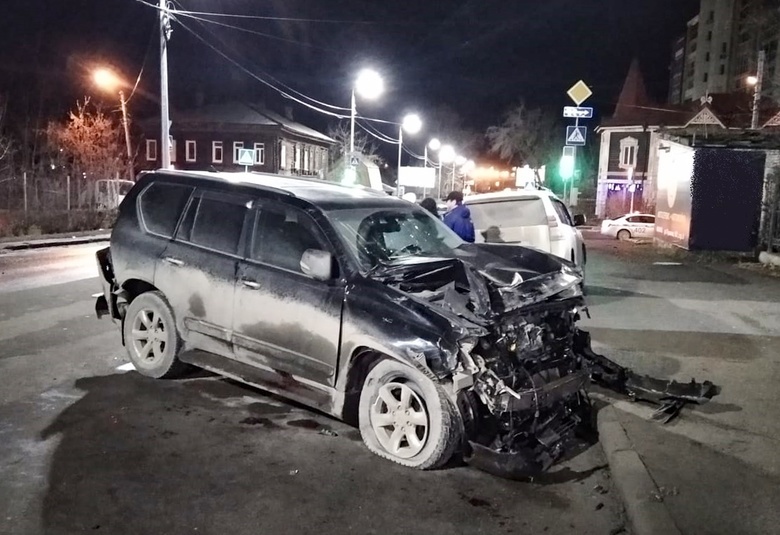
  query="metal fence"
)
[{"x": 31, "y": 204}]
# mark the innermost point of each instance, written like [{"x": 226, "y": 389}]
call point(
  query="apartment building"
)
[{"x": 719, "y": 50}]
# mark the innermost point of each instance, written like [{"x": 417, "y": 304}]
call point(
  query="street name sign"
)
[
  {"x": 576, "y": 135},
  {"x": 576, "y": 112}
]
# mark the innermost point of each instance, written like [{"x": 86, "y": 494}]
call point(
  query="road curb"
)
[
  {"x": 632, "y": 479},
  {"x": 40, "y": 244}
]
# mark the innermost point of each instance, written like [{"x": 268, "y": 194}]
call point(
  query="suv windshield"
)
[{"x": 378, "y": 236}]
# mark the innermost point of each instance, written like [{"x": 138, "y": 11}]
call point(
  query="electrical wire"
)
[
  {"x": 376, "y": 133},
  {"x": 143, "y": 65},
  {"x": 286, "y": 94},
  {"x": 290, "y": 89},
  {"x": 259, "y": 79}
]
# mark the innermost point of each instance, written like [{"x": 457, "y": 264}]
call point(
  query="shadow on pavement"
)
[{"x": 205, "y": 456}]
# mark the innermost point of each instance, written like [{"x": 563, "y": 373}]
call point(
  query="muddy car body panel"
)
[{"x": 493, "y": 325}]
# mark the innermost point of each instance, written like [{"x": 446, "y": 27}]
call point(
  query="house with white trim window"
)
[
  {"x": 210, "y": 137},
  {"x": 632, "y": 137}
]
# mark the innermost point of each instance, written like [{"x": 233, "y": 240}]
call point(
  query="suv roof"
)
[
  {"x": 313, "y": 190},
  {"x": 508, "y": 195}
]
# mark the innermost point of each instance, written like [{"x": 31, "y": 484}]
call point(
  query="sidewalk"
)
[
  {"x": 16, "y": 243},
  {"x": 672, "y": 484}
]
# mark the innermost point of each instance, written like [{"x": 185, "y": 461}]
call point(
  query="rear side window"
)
[
  {"x": 161, "y": 205},
  {"x": 563, "y": 212},
  {"x": 526, "y": 212},
  {"x": 214, "y": 223},
  {"x": 647, "y": 219}
]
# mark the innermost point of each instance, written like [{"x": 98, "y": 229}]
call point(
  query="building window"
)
[
  {"x": 711, "y": 17},
  {"x": 709, "y": 35},
  {"x": 283, "y": 156},
  {"x": 259, "y": 153},
  {"x": 237, "y": 146},
  {"x": 216, "y": 151},
  {"x": 306, "y": 160},
  {"x": 629, "y": 146},
  {"x": 705, "y": 77},
  {"x": 722, "y": 69},
  {"x": 724, "y": 48},
  {"x": 190, "y": 151},
  {"x": 297, "y": 158},
  {"x": 151, "y": 150},
  {"x": 173, "y": 150}
]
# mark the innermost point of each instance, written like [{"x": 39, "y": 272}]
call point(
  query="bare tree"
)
[
  {"x": 526, "y": 137},
  {"x": 341, "y": 133},
  {"x": 6, "y": 144},
  {"x": 92, "y": 144}
]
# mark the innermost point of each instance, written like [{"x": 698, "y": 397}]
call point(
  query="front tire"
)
[
  {"x": 152, "y": 341},
  {"x": 623, "y": 235},
  {"x": 406, "y": 417}
]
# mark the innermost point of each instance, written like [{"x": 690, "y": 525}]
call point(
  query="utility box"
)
[{"x": 709, "y": 199}]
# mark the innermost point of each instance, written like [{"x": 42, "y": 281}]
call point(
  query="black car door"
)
[
  {"x": 283, "y": 319},
  {"x": 197, "y": 271}
]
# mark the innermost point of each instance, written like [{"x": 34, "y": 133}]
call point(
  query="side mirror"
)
[
  {"x": 317, "y": 264},
  {"x": 579, "y": 220}
]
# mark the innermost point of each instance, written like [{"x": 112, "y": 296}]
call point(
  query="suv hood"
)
[{"x": 484, "y": 282}]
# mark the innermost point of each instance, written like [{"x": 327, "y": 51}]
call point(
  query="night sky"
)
[{"x": 476, "y": 56}]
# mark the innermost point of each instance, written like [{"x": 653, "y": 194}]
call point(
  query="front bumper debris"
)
[{"x": 672, "y": 396}]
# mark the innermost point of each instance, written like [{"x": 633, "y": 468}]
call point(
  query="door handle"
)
[
  {"x": 250, "y": 284},
  {"x": 173, "y": 261}
]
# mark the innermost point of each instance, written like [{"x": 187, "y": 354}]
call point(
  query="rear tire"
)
[
  {"x": 152, "y": 341},
  {"x": 405, "y": 416},
  {"x": 623, "y": 235}
]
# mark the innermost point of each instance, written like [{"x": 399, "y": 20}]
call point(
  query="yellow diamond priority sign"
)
[{"x": 579, "y": 92}]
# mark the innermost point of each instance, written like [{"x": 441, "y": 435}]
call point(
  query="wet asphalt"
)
[{"x": 88, "y": 447}]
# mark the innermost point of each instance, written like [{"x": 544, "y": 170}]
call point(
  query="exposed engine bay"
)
[{"x": 524, "y": 369}]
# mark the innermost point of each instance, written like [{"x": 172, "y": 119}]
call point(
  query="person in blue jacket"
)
[{"x": 458, "y": 217}]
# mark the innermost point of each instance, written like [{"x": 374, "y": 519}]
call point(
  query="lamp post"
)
[
  {"x": 411, "y": 124},
  {"x": 446, "y": 155},
  {"x": 757, "y": 83},
  {"x": 368, "y": 85},
  {"x": 434, "y": 144},
  {"x": 108, "y": 81}
]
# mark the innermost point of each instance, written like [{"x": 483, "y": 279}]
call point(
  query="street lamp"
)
[
  {"x": 109, "y": 81},
  {"x": 434, "y": 144},
  {"x": 411, "y": 124},
  {"x": 368, "y": 85}
]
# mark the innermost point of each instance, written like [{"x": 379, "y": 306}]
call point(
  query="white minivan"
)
[{"x": 530, "y": 217}]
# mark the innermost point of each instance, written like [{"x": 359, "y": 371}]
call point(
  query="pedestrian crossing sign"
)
[{"x": 576, "y": 135}]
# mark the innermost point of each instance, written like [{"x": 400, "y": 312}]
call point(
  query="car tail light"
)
[{"x": 551, "y": 221}]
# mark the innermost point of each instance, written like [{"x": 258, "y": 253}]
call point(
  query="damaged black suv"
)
[{"x": 358, "y": 304}]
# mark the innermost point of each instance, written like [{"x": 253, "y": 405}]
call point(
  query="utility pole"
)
[
  {"x": 757, "y": 93},
  {"x": 165, "y": 34},
  {"x": 127, "y": 135}
]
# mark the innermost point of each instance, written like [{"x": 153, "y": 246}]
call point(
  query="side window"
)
[
  {"x": 282, "y": 234},
  {"x": 647, "y": 219},
  {"x": 563, "y": 212},
  {"x": 161, "y": 205},
  {"x": 215, "y": 223},
  {"x": 634, "y": 219}
]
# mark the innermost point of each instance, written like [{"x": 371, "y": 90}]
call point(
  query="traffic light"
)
[{"x": 566, "y": 167}]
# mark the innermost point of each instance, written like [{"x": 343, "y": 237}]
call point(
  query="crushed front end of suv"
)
[{"x": 368, "y": 308}]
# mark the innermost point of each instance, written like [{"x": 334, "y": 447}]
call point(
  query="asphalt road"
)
[
  {"x": 669, "y": 316},
  {"x": 88, "y": 447}
]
